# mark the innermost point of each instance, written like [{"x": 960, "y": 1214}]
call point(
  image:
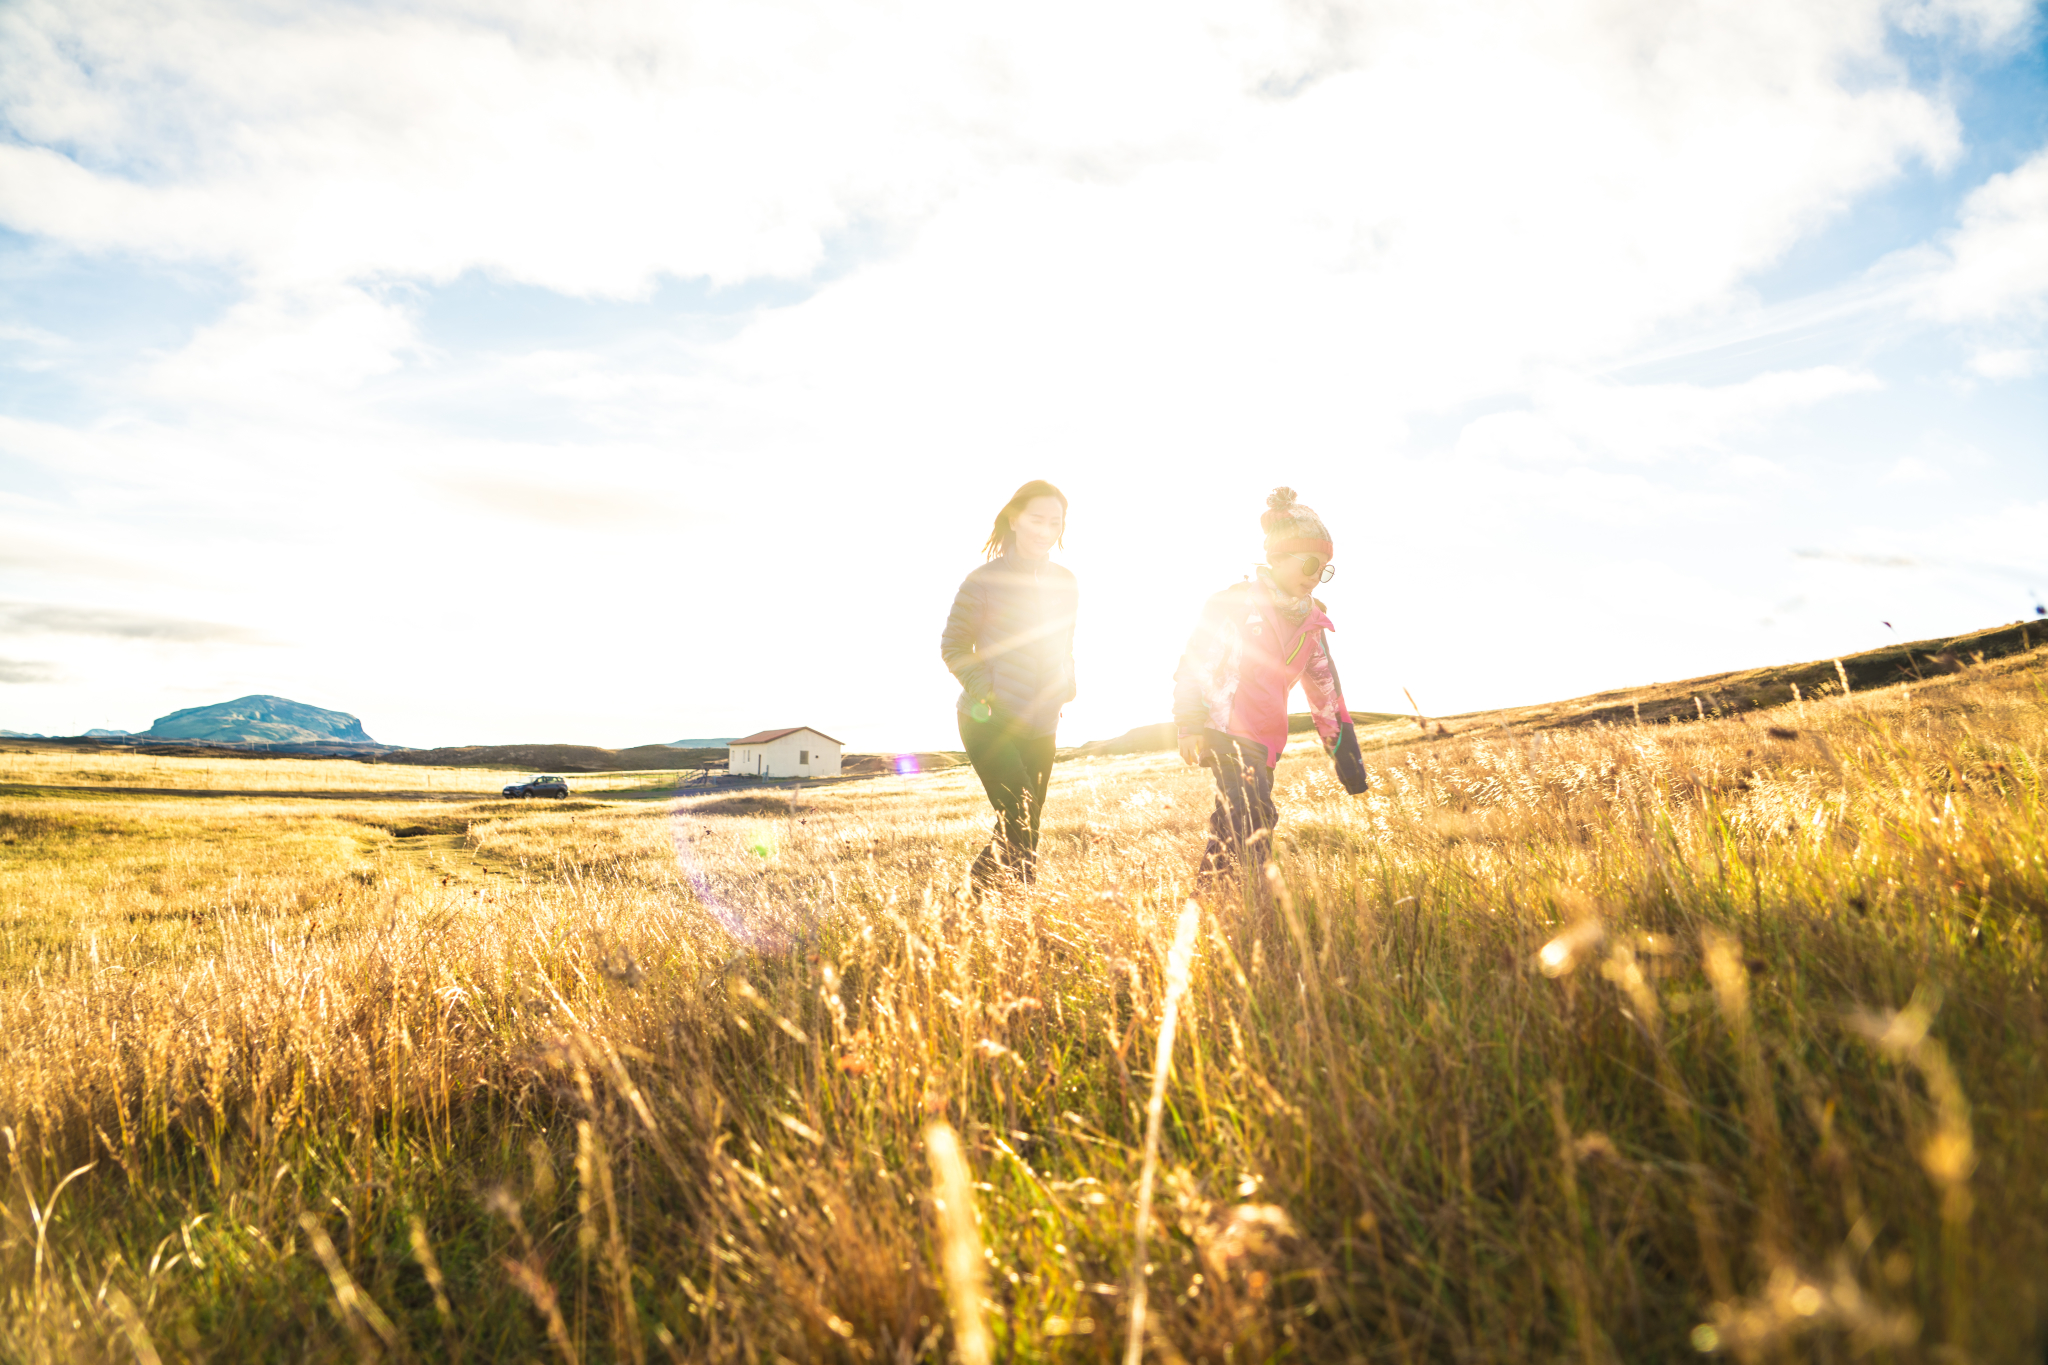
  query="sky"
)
[{"x": 614, "y": 373}]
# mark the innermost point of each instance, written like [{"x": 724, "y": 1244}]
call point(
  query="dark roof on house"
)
[{"x": 768, "y": 736}]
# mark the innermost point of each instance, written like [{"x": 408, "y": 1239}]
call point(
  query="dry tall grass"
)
[{"x": 1608, "y": 1044}]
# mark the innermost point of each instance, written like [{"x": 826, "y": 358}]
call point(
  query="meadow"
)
[
  {"x": 112, "y": 769},
  {"x": 1611, "y": 1043}
]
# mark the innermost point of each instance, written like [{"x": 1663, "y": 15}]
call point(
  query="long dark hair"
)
[{"x": 999, "y": 538}]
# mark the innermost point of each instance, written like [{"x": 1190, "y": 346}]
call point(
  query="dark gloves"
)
[{"x": 1350, "y": 761}]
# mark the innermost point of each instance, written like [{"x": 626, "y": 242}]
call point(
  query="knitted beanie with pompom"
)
[{"x": 1291, "y": 527}]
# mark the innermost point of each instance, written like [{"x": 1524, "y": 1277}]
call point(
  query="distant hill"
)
[
  {"x": 702, "y": 743},
  {"x": 1750, "y": 688},
  {"x": 276, "y": 726},
  {"x": 878, "y": 765},
  {"x": 559, "y": 758},
  {"x": 1145, "y": 739},
  {"x": 1153, "y": 739},
  {"x": 1654, "y": 703},
  {"x": 260, "y": 720}
]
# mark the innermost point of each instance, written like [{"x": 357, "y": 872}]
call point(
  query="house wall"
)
[{"x": 778, "y": 758}]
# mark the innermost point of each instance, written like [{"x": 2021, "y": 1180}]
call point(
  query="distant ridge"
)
[
  {"x": 1750, "y": 688},
  {"x": 1152, "y": 739},
  {"x": 1655, "y": 703},
  {"x": 560, "y": 758},
  {"x": 275, "y": 726},
  {"x": 260, "y": 719},
  {"x": 714, "y": 743}
]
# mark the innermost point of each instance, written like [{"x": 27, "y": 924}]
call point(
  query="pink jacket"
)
[{"x": 1242, "y": 661}]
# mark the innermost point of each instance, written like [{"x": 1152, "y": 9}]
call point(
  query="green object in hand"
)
[{"x": 980, "y": 710}]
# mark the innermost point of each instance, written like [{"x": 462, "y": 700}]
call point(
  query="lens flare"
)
[
  {"x": 1562, "y": 953},
  {"x": 750, "y": 929}
]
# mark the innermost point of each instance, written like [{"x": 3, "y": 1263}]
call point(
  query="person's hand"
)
[{"x": 1193, "y": 749}]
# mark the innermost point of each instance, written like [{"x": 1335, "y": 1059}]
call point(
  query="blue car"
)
[{"x": 539, "y": 786}]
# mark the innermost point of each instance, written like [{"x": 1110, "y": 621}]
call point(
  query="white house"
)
[{"x": 797, "y": 752}]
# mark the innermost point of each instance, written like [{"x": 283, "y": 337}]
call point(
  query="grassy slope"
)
[
  {"x": 636, "y": 1081},
  {"x": 1751, "y": 688}
]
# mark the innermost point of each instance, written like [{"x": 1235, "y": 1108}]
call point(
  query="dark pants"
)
[
  {"x": 1014, "y": 766},
  {"x": 1241, "y": 827}
]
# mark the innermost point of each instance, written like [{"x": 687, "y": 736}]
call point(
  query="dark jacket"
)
[{"x": 1010, "y": 640}]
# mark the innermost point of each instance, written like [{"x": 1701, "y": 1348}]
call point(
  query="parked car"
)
[{"x": 540, "y": 786}]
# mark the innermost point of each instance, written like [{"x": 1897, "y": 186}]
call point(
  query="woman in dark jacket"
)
[{"x": 1010, "y": 642}]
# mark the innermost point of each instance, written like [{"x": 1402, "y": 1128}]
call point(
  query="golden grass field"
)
[
  {"x": 106, "y": 768},
  {"x": 1601, "y": 1044}
]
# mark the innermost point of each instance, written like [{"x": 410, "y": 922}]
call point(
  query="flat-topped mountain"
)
[{"x": 260, "y": 720}]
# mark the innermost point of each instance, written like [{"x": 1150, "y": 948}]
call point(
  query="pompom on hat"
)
[{"x": 1292, "y": 528}]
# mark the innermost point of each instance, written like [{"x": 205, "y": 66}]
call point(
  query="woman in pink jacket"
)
[{"x": 1255, "y": 641}]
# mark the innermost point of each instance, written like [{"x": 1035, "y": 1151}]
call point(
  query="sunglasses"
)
[{"x": 1309, "y": 562}]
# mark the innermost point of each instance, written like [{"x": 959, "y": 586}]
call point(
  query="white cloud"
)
[
  {"x": 1110, "y": 205},
  {"x": 559, "y": 504},
  {"x": 1912, "y": 469},
  {"x": 1983, "y": 22},
  {"x": 282, "y": 350},
  {"x": 1755, "y": 469},
  {"x": 19, "y": 619},
  {"x": 33, "y": 551},
  {"x": 585, "y": 150},
  {"x": 1999, "y": 253},
  {"x": 44, "y": 349},
  {"x": 590, "y": 150},
  {"x": 1576, "y": 419},
  {"x": 2008, "y": 362},
  {"x": 2010, "y": 542},
  {"x": 27, "y": 671}
]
